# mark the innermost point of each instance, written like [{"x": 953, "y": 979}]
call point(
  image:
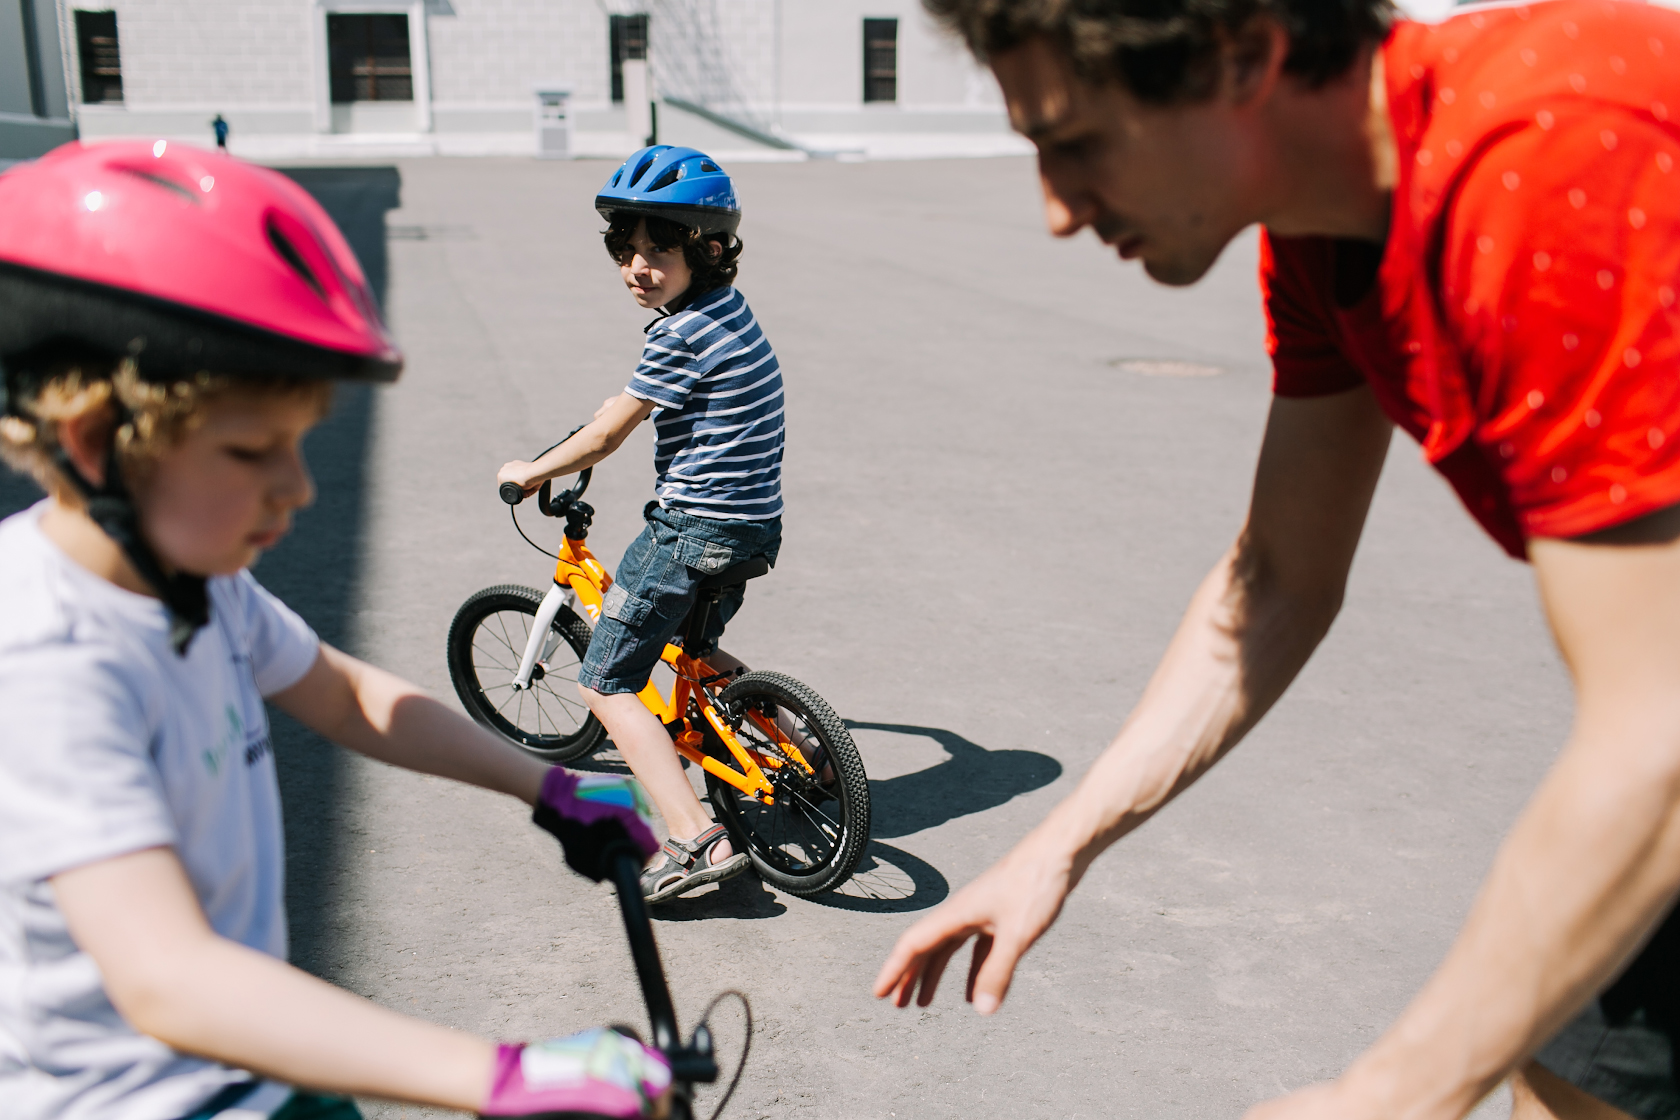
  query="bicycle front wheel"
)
[
  {"x": 810, "y": 840},
  {"x": 486, "y": 641}
]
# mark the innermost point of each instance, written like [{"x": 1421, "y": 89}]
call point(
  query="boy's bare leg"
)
[
  {"x": 1539, "y": 1094},
  {"x": 647, "y": 748}
]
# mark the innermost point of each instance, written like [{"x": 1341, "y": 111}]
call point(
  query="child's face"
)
[
  {"x": 212, "y": 503},
  {"x": 655, "y": 275}
]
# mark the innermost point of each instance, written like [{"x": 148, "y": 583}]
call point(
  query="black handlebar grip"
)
[{"x": 512, "y": 493}]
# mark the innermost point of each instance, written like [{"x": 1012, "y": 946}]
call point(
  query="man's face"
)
[{"x": 1169, "y": 186}]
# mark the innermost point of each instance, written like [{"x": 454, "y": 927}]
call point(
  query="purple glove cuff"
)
[
  {"x": 597, "y": 1071},
  {"x": 590, "y": 798}
]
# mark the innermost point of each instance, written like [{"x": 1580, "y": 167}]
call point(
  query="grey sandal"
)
[{"x": 687, "y": 864}]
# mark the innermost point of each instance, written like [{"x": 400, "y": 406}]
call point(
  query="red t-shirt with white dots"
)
[{"x": 1522, "y": 326}]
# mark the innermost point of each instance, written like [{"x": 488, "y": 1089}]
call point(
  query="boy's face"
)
[
  {"x": 655, "y": 274},
  {"x": 212, "y": 503}
]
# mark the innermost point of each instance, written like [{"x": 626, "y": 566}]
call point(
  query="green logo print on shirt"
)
[{"x": 235, "y": 733}]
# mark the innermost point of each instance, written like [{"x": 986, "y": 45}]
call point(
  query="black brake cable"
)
[
  {"x": 513, "y": 512},
  {"x": 746, "y": 1042}
]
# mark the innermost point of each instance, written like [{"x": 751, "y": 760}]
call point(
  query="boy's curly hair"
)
[
  {"x": 1167, "y": 51},
  {"x": 710, "y": 273}
]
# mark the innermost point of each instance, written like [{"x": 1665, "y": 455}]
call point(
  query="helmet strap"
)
[{"x": 112, "y": 508}]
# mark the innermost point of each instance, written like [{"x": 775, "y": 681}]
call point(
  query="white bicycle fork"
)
[{"x": 540, "y": 646}]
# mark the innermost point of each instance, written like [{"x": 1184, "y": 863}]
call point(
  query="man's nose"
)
[{"x": 1066, "y": 211}]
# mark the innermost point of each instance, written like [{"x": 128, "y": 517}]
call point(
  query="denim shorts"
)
[
  {"x": 658, "y": 582},
  {"x": 1622, "y": 1047}
]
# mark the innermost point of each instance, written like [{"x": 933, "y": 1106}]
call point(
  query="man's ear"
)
[
  {"x": 86, "y": 439},
  {"x": 1253, "y": 60}
]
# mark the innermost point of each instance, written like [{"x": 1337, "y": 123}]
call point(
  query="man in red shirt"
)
[{"x": 1472, "y": 231}]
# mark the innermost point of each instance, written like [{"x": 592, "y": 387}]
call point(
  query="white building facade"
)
[
  {"x": 35, "y": 91},
  {"x": 312, "y": 78}
]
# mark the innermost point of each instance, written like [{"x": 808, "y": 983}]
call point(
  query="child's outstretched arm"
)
[
  {"x": 383, "y": 716},
  {"x": 588, "y": 446},
  {"x": 171, "y": 976},
  {"x": 174, "y": 978}
]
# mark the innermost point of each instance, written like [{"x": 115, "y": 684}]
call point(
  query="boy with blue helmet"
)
[{"x": 711, "y": 381}]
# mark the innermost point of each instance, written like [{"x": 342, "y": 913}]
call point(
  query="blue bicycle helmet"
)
[{"x": 680, "y": 184}]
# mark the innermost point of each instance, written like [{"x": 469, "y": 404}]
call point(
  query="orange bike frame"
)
[{"x": 579, "y": 570}]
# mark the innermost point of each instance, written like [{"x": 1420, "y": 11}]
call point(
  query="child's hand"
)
[
  {"x": 518, "y": 472},
  {"x": 598, "y": 1072},
  {"x": 591, "y": 813}
]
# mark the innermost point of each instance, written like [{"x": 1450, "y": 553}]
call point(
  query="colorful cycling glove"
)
[
  {"x": 599, "y": 1072},
  {"x": 591, "y": 813}
]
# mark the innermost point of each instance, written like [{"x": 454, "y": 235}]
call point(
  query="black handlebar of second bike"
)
[{"x": 512, "y": 493}]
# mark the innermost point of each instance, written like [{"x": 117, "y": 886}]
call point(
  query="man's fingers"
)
[
  {"x": 934, "y": 968},
  {"x": 982, "y": 949},
  {"x": 992, "y": 974}
]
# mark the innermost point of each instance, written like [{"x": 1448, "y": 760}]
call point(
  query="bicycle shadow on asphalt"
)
[{"x": 972, "y": 779}]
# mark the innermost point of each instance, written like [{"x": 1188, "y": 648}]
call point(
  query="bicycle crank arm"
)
[{"x": 540, "y": 626}]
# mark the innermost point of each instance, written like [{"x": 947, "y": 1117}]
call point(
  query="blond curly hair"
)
[{"x": 158, "y": 414}]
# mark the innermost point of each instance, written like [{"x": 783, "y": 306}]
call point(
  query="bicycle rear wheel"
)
[
  {"x": 486, "y": 641},
  {"x": 810, "y": 840}
]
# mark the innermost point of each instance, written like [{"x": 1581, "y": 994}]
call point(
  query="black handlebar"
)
[
  {"x": 692, "y": 1062},
  {"x": 513, "y": 494}
]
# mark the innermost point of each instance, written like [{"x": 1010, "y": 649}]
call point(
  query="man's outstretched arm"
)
[
  {"x": 1589, "y": 869},
  {"x": 1253, "y": 623}
]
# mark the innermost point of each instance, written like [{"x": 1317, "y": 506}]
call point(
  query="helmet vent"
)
[
  {"x": 666, "y": 179},
  {"x": 640, "y": 171},
  {"x": 289, "y": 253},
  {"x": 167, "y": 184},
  {"x": 705, "y": 166}
]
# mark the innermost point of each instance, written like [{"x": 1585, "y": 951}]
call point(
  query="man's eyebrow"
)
[{"x": 1039, "y": 127}]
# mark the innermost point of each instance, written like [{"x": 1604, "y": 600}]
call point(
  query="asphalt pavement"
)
[{"x": 995, "y": 516}]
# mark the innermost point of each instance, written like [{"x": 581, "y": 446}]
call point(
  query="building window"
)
[
  {"x": 368, "y": 58},
  {"x": 629, "y": 40},
  {"x": 880, "y": 60},
  {"x": 101, "y": 62}
]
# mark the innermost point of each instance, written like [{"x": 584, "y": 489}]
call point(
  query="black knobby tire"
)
[
  {"x": 810, "y": 840},
  {"x": 487, "y": 639}
]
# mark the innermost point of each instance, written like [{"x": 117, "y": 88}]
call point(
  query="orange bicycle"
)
[{"x": 781, "y": 769}]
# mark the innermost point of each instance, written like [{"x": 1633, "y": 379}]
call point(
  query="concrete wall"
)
[
  {"x": 34, "y": 103},
  {"x": 794, "y": 66}
]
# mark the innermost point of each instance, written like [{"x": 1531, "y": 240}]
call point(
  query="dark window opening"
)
[
  {"x": 880, "y": 60},
  {"x": 368, "y": 58},
  {"x": 629, "y": 40},
  {"x": 101, "y": 61}
]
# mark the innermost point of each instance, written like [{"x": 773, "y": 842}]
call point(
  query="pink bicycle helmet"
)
[{"x": 184, "y": 260}]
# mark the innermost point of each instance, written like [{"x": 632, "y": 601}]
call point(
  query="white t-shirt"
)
[{"x": 109, "y": 744}]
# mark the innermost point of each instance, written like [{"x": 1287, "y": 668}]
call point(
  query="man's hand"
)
[{"x": 1005, "y": 910}]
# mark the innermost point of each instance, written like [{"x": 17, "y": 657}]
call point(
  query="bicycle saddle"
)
[{"x": 736, "y": 574}]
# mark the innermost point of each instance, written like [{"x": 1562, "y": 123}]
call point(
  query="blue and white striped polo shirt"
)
[{"x": 718, "y": 426}]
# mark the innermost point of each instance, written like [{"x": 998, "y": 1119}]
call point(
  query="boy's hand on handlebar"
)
[
  {"x": 518, "y": 472},
  {"x": 598, "y": 1072},
  {"x": 1005, "y": 910},
  {"x": 591, "y": 814}
]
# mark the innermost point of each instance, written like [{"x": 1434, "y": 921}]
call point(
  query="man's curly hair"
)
[{"x": 1167, "y": 51}]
